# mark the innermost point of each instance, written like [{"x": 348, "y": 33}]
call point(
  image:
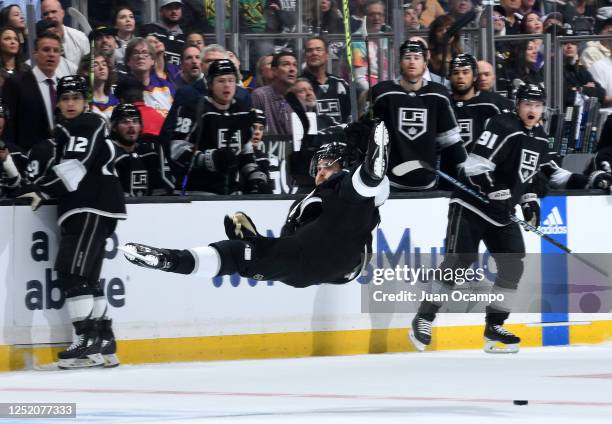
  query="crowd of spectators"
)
[{"x": 162, "y": 66}]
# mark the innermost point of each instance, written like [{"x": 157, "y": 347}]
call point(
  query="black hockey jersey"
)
[
  {"x": 333, "y": 98},
  {"x": 420, "y": 123},
  {"x": 216, "y": 131},
  {"x": 145, "y": 171},
  {"x": 507, "y": 156},
  {"x": 11, "y": 178},
  {"x": 83, "y": 176}
]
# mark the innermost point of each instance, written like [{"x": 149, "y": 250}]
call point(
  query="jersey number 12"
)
[{"x": 77, "y": 144}]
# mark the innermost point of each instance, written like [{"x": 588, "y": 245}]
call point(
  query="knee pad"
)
[
  {"x": 510, "y": 269},
  {"x": 74, "y": 285}
]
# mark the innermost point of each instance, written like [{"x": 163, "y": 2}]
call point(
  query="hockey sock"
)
[
  {"x": 99, "y": 307},
  {"x": 207, "y": 261},
  {"x": 496, "y": 316},
  {"x": 80, "y": 307}
]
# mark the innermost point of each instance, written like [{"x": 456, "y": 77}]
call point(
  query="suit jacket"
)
[{"x": 27, "y": 121}]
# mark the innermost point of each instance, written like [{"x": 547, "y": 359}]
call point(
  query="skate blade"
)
[
  {"x": 417, "y": 344},
  {"x": 491, "y": 347},
  {"x": 111, "y": 361},
  {"x": 90, "y": 361}
]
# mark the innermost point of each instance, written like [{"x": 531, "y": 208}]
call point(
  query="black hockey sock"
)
[
  {"x": 428, "y": 310},
  {"x": 368, "y": 179},
  {"x": 184, "y": 262},
  {"x": 496, "y": 316}
]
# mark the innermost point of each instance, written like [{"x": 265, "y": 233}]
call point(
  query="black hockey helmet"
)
[
  {"x": 221, "y": 67},
  {"x": 463, "y": 60},
  {"x": 413, "y": 46},
  {"x": 331, "y": 153},
  {"x": 72, "y": 83},
  {"x": 260, "y": 117},
  {"x": 530, "y": 91},
  {"x": 124, "y": 110}
]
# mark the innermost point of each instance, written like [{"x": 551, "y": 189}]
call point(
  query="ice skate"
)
[
  {"x": 108, "y": 345},
  {"x": 495, "y": 334},
  {"x": 147, "y": 256},
  {"x": 377, "y": 156},
  {"x": 84, "y": 352},
  {"x": 420, "y": 334}
]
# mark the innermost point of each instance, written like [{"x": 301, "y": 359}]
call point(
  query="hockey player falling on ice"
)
[
  {"x": 90, "y": 201},
  {"x": 325, "y": 239},
  {"x": 504, "y": 160}
]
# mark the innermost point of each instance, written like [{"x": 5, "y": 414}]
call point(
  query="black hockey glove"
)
[
  {"x": 257, "y": 183},
  {"x": 601, "y": 180},
  {"x": 217, "y": 160},
  {"x": 531, "y": 209},
  {"x": 239, "y": 226},
  {"x": 149, "y": 257},
  {"x": 500, "y": 204}
]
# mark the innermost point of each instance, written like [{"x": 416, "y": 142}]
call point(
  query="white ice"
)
[{"x": 562, "y": 385}]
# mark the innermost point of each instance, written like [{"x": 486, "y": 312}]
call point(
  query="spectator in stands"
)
[
  {"x": 332, "y": 92},
  {"x": 30, "y": 98},
  {"x": 104, "y": 39},
  {"x": 411, "y": 18},
  {"x": 191, "y": 70},
  {"x": 245, "y": 78},
  {"x": 553, "y": 23},
  {"x": 75, "y": 43},
  {"x": 357, "y": 10},
  {"x": 511, "y": 9},
  {"x": 532, "y": 24},
  {"x": 166, "y": 71},
  {"x": 486, "y": 76},
  {"x": 602, "y": 73},
  {"x": 264, "y": 74},
  {"x": 65, "y": 66},
  {"x": 125, "y": 24},
  {"x": 158, "y": 93},
  {"x": 367, "y": 70},
  {"x": 303, "y": 91},
  {"x": 12, "y": 16},
  {"x": 130, "y": 90},
  {"x": 529, "y": 6},
  {"x": 431, "y": 9},
  {"x": 12, "y": 62},
  {"x": 441, "y": 48},
  {"x": 325, "y": 18},
  {"x": 597, "y": 50},
  {"x": 168, "y": 31},
  {"x": 195, "y": 38},
  {"x": 271, "y": 98},
  {"x": 524, "y": 66},
  {"x": 103, "y": 101},
  {"x": 458, "y": 8},
  {"x": 576, "y": 78}
]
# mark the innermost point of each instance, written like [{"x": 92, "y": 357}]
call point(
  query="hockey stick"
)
[
  {"x": 81, "y": 19},
  {"x": 348, "y": 41},
  {"x": 404, "y": 168}
]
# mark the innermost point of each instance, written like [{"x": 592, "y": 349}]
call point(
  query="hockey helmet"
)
[
  {"x": 72, "y": 84},
  {"x": 331, "y": 153},
  {"x": 260, "y": 117},
  {"x": 123, "y": 111},
  {"x": 463, "y": 60},
  {"x": 413, "y": 46},
  {"x": 221, "y": 67},
  {"x": 530, "y": 91}
]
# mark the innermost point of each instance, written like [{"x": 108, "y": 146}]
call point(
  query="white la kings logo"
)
[
  {"x": 529, "y": 164},
  {"x": 465, "y": 129},
  {"x": 233, "y": 143},
  {"x": 412, "y": 122},
  {"x": 553, "y": 224},
  {"x": 329, "y": 107}
]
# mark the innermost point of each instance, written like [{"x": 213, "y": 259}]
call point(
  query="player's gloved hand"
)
[
  {"x": 33, "y": 193},
  {"x": 239, "y": 226},
  {"x": 217, "y": 160},
  {"x": 500, "y": 204},
  {"x": 148, "y": 256},
  {"x": 257, "y": 183},
  {"x": 601, "y": 180},
  {"x": 531, "y": 209}
]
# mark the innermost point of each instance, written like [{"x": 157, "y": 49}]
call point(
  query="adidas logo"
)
[{"x": 553, "y": 224}]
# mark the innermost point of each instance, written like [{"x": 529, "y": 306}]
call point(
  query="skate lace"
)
[
  {"x": 501, "y": 330},
  {"x": 424, "y": 326},
  {"x": 76, "y": 343}
]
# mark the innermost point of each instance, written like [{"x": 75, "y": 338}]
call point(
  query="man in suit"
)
[
  {"x": 75, "y": 43},
  {"x": 30, "y": 98}
]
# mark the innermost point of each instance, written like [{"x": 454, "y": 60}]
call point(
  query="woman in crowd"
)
[
  {"x": 195, "y": 39},
  {"x": 103, "y": 101},
  {"x": 12, "y": 16},
  {"x": 11, "y": 56},
  {"x": 326, "y": 18},
  {"x": 125, "y": 23},
  {"x": 442, "y": 49},
  {"x": 166, "y": 71},
  {"x": 523, "y": 65}
]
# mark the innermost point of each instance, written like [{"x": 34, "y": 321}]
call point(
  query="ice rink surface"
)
[{"x": 562, "y": 385}]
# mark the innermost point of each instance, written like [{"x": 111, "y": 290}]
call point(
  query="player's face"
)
[
  {"x": 325, "y": 170},
  {"x": 413, "y": 66},
  {"x": 530, "y": 112},
  {"x": 71, "y": 104},
  {"x": 462, "y": 79},
  {"x": 223, "y": 89},
  {"x": 128, "y": 130},
  {"x": 257, "y": 129}
]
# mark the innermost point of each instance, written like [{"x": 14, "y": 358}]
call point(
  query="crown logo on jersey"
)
[
  {"x": 529, "y": 164},
  {"x": 412, "y": 122}
]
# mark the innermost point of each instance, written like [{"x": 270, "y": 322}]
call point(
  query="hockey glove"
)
[
  {"x": 148, "y": 256},
  {"x": 258, "y": 183},
  {"x": 217, "y": 160},
  {"x": 239, "y": 226},
  {"x": 601, "y": 180},
  {"x": 33, "y": 193},
  {"x": 531, "y": 209},
  {"x": 500, "y": 204}
]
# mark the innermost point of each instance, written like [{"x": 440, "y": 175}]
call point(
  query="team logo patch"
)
[
  {"x": 529, "y": 164},
  {"x": 412, "y": 122},
  {"x": 234, "y": 142},
  {"x": 465, "y": 128},
  {"x": 329, "y": 107}
]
